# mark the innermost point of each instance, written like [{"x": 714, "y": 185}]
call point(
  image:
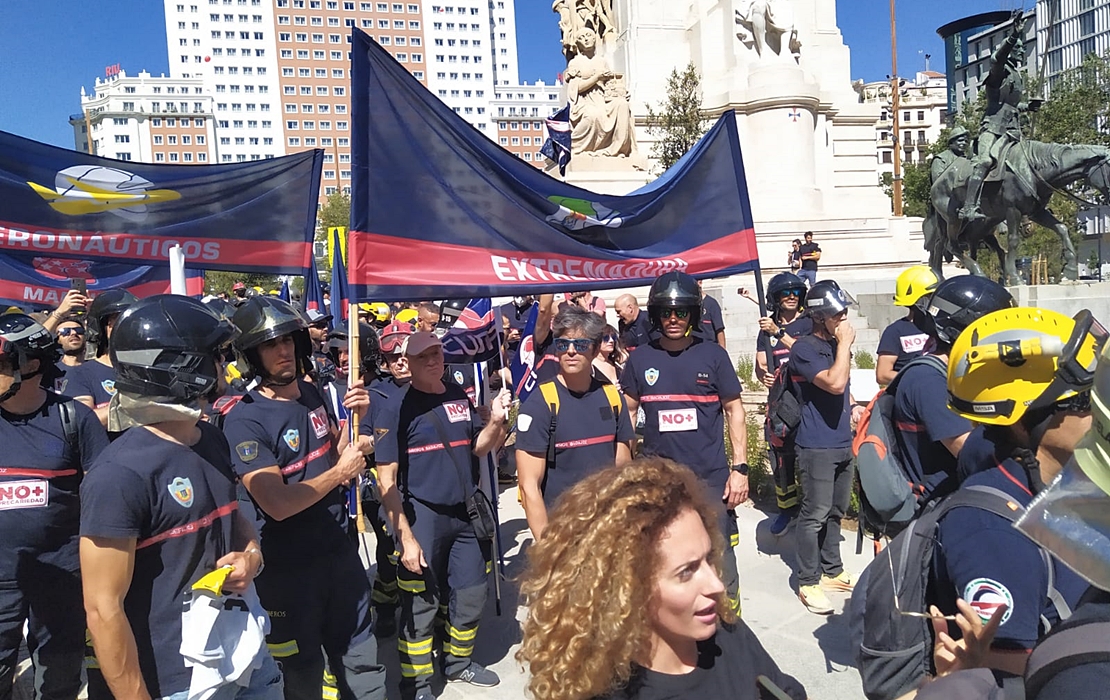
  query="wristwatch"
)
[
  {"x": 781, "y": 332},
  {"x": 742, "y": 468},
  {"x": 261, "y": 561}
]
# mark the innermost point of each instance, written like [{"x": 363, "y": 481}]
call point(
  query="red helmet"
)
[{"x": 237, "y": 286}]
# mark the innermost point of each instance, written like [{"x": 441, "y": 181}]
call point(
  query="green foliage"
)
[
  {"x": 745, "y": 370},
  {"x": 761, "y": 486},
  {"x": 864, "y": 359},
  {"x": 915, "y": 189},
  {"x": 680, "y": 122},
  {"x": 335, "y": 212},
  {"x": 216, "y": 282}
]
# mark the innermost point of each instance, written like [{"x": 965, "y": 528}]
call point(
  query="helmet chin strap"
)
[{"x": 17, "y": 382}]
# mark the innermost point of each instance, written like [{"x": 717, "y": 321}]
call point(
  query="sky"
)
[{"x": 50, "y": 48}]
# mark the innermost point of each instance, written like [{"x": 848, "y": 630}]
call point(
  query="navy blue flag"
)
[
  {"x": 557, "y": 146},
  {"x": 313, "y": 292},
  {"x": 340, "y": 297},
  {"x": 474, "y": 337},
  {"x": 256, "y": 216},
  {"x": 37, "y": 282},
  {"x": 440, "y": 211},
  {"x": 523, "y": 364},
  {"x": 283, "y": 293}
]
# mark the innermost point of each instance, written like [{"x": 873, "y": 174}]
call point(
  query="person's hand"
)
[
  {"x": 768, "y": 379},
  {"x": 971, "y": 651},
  {"x": 351, "y": 461},
  {"x": 71, "y": 302},
  {"x": 857, "y": 413},
  {"x": 736, "y": 489},
  {"x": 845, "y": 333},
  {"x": 768, "y": 326},
  {"x": 243, "y": 569},
  {"x": 357, "y": 398},
  {"x": 412, "y": 556},
  {"x": 365, "y": 444},
  {"x": 499, "y": 408}
]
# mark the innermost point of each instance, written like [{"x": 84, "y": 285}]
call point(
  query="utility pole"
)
[{"x": 895, "y": 98}]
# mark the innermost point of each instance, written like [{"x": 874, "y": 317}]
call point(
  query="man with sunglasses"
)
[
  {"x": 1025, "y": 375},
  {"x": 568, "y": 429},
  {"x": 687, "y": 387},
  {"x": 71, "y": 340}
]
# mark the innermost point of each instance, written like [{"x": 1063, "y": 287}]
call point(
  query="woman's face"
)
[
  {"x": 608, "y": 344},
  {"x": 688, "y": 588}
]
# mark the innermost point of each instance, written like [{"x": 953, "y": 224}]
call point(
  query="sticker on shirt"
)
[
  {"x": 292, "y": 438},
  {"x": 651, "y": 376},
  {"x": 319, "y": 418},
  {"x": 914, "y": 343},
  {"x": 379, "y": 433},
  {"x": 703, "y": 378},
  {"x": 182, "y": 491},
  {"x": 986, "y": 595},
  {"x": 33, "y": 493},
  {"x": 60, "y": 385},
  {"x": 678, "y": 420},
  {"x": 457, "y": 411},
  {"x": 247, "y": 450},
  {"x": 523, "y": 423},
  {"x": 459, "y": 378},
  {"x": 109, "y": 386}
]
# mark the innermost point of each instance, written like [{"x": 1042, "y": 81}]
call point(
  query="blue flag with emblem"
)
[
  {"x": 313, "y": 290},
  {"x": 340, "y": 297},
  {"x": 474, "y": 337},
  {"x": 557, "y": 146},
  {"x": 255, "y": 216},
  {"x": 524, "y": 361},
  {"x": 440, "y": 211},
  {"x": 283, "y": 293}
]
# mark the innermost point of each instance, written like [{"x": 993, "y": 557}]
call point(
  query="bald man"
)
[{"x": 634, "y": 325}]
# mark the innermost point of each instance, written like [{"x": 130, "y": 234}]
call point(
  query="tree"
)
[
  {"x": 680, "y": 122},
  {"x": 217, "y": 281},
  {"x": 335, "y": 212}
]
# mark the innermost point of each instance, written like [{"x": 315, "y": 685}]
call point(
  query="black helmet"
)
[
  {"x": 784, "y": 282},
  {"x": 220, "y": 307},
  {"x": 169, "y": 346},
  {"x": 23, "y": 338},
  {"x": 263, "y": 318},
  {"x": 450, "y": 310},
  {"x": 369, "y": 346},
  {"x": 826, "y": 299},
  {"x": 957, "y": 303},
  {"x": 674, "y": 290},
  {"x": 113, "y": 301}
]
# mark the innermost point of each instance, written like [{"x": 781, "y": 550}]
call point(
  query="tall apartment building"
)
[
  {"x": 1068, "y": 30},
  {"x": 147, "y": 119},
  {"x": 520, "y": 112},
  {"x": 462, "y": 57},
  {"x": 923, "y": 109}
]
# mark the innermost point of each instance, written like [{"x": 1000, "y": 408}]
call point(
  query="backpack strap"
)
[
  {"x": 931, "y": 360},
  {"x": 1067, "y": 647},
  {"x": 68, "y": 414},
  {"x": 551, "y": 398},
  {"x": 615, "y": 402}
]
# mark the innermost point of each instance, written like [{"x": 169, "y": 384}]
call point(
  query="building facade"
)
[
  {"x": 1069, "y": 30},
  {"x": 520, "y": 112},
  {"x": 147, "y": 119},
  {"x": 923, "y": 111},
  {"x": 969, "y": 44}
]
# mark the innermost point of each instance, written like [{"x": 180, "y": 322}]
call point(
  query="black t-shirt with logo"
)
[
  {"x": 428, "y": 472},
  {"x": 637, "y": 333},
  {"x": 586, "y": 434},
  {"x": 802, "y": 325},
  {"x": 93, "y": 379},
  {"x": 904, "y": 340},
  {"x": 806, "y": 249},
  {"x": 295, "y": 436},
  {"x": 179, "y": 504},
  {"x": 40, "y": 482},
  {"x": 682, "y": 395}
]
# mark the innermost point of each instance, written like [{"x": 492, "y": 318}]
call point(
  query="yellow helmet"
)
[
  {"x": 380, "y": 311},
  {"x": 1013, "y": 361},
  {"x": 914, "y": 283},
  {"x": 232, "y": 372},
  {"x": 406, "y": 316}
]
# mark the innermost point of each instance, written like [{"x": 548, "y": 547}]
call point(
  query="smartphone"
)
[
  {"x": 79, "y": 284},
  {"x": 769, "y": 691}
]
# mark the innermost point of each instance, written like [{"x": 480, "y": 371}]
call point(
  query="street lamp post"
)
[{"x": 896, "y": 94}]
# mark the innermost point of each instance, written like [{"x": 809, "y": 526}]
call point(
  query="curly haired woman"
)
[{"x": 624, "y": 597}]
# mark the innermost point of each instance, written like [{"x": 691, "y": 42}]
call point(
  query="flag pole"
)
[{"x": 354, "y": 363}]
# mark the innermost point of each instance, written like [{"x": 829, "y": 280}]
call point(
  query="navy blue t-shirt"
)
[
  {"x": 428, "y": 472},
  {"x": 385, "y": 396},
  {"x": 295, "y": 436},
  {"x": 62, "y": 383},
  {"x": 39, "y": 484},
  {"x": 983, "y": 559},
  {"x": 517, "y": 318},
  {"x": 179, "y": 504},
  {"x": 923, "y": 419},
  {"x": 462, "y": 376},
  {"x": 682, "y": 394},
  {"x": 977, "y": 455},
  {"x": 801, "y": 325},
  {"x": 586, "y": 434},
  {"x": 93, "y": 379},
  {"x": 904, "y": 340},
  {"x": 637, "y": 333},
  {"x": 826, "y": 418},
  {"x": 712, "y": 320}
]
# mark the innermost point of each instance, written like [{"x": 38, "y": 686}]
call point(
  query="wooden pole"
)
[
  {"x": 896, "y": 94},
  {"x": 354, "y": 363}
]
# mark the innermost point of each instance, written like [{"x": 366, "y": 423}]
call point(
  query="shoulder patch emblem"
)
[
  {"x": 182, "y": 491},
  {"x": 651, "y": 376},
  {"x": 292, "y": 438},
  {"x": 109, "y": 385},
  {"x": 986, "y": 595},
  {"x": 523, "y": 422},
  {"x": 247, "y": 450},
  {"x": 459, "y": 379},
  {"x": 380, "y": 432}
]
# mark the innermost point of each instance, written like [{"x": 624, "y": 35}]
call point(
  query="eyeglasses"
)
[
  {"x": 790, "y": 293},
  {"x": 66, "y": 332},
  {"x": 608, "y": 338},
  {"x": 680, "y": 314},
  {"x": 580, "y": 345}
]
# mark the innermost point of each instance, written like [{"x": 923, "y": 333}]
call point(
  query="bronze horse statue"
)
[{"x": 1031, "y": 172}]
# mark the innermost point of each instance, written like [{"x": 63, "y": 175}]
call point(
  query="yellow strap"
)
[
  {"x": 614, "y": 397},
  {"x": 550, "y": 395}
]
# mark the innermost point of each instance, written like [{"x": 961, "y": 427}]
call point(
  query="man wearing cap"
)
[
  {"x": 239, "y": 293},
  {"x": 428, "y": 470}
]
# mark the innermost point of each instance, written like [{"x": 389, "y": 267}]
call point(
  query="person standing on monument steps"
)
[
  {"x": 904, "y": 340},
  {"x": 687, "y": 387},
  {"x": 809, "y": 253}
]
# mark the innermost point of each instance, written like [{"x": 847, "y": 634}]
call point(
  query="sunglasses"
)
[
  {"x": 680, "y": 314},
  {"x": 66, "y": 332},
  {"x": 608, "y": 338},
  {"x": 580, "y": 345},
  {"x": 790, "y": 293}
]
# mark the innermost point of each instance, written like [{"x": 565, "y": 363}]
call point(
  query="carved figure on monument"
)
[
  {"x": 600, "y": 115},
  {"x": 957, "y": 148},
  {"x": 576, "y": 15},
  {"x": 771, "y": 23},
  {"x": 1001, "y": 126}
]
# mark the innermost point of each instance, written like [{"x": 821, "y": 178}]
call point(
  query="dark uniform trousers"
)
[
  {"x": 49, "y": 599},
  {"x": 783, "y": 459},
  {"x": 454, "y": 582},
  {"x": 385, "y": 597},
  {"x": 317, "y": 608},
  {"x": 730, "y": 573}
]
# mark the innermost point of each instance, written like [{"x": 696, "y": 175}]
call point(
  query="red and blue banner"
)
[
  {"x": 254, "y": 216},
  {"x": 474, "y": 337},
  {"x": 441, "y": 211},
  {"x": 340, "y": 296},
  {"x": 42, "y": 282},
  {"x": 313, "y": 290}
]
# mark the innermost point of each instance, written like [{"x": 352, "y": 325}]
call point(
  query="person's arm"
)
[
  {"x": 281, "y": 500},
  {"x": 955, "y": 444},
  {"x": 736, "y": 489},
  {"x": 530, "y": 470},
  {"x": 411, "y": 555},
  {"x": 721, "y": 338},
  {"x": 245, "y": 557},
  {"x": 72, "y": 301},
  {"x": 884, "y": 369},
  {"x": 495, "y": 430},
  {"x": 834, "y": 380},
  {"x": 107, "y": 565},
  {"x": 764, "y": 377},
  {"x": 544, "y": 314}
]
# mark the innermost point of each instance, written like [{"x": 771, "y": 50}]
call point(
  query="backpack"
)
[
  {"x": 68, "y": 415},
  {"x": 894, "y": 652},
  {"x": 551, "y": 398},
  {"x": 1072, "y": 643},
  {"x": 888, "y": 494},
  {"x": 784, "y": 402}
]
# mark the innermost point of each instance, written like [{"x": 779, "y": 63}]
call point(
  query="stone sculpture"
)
[
  {"x": 771, "y": 23},
  {"x": 600, "y": 115},
  {"x": 576, "y": 15}
]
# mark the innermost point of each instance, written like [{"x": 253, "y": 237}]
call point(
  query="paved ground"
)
[{"x": 814, "y": 649}]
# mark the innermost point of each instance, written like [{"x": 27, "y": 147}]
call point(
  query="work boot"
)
[{"x": 815, "y": 600}]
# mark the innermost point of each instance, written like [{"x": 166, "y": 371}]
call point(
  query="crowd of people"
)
[{"x": 187, "y": 479}]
